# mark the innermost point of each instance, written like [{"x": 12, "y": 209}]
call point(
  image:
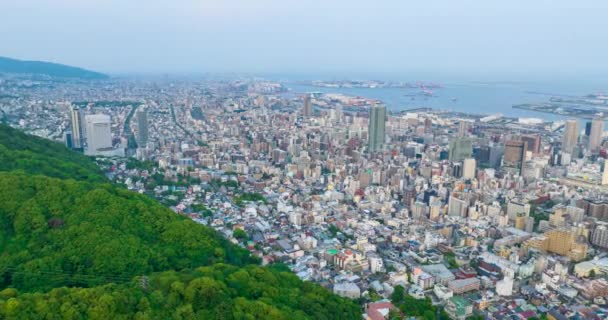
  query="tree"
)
[
  {"x": 239, "y": 234},
  {"x": 398, "y": 295}
]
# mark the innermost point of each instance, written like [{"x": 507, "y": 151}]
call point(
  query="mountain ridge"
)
[{"x": 11, "y": 65}]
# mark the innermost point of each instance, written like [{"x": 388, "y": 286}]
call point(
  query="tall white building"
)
[
  {"x": 99, "y": 135},
  {"x": 468, "y": 168}
]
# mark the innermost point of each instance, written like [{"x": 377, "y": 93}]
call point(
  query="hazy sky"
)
[{"x": 309, "y": 35}]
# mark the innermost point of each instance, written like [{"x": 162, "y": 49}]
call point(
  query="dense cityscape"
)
[{"x": 475, "y": 216}]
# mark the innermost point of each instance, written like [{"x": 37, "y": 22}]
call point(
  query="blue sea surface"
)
[{"x": 474, "y": 96}]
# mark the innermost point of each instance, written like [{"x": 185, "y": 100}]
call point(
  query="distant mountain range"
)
[{"x": 8, "y": 65}]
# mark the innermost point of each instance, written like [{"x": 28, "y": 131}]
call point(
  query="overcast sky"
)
[{"x": 283, "y": 36}]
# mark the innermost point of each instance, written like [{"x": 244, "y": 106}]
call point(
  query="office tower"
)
[
  {"x": 435, "y": 210},
  {"x": 496, "y": 153},
  {"x": 457, "y": 206},
  {"x": 517, "y": 208},
  {"x": 99, "y": 135},
  {"x": 460, "y": 149},
  {"x": 142, "y": 127},
  {"x": 77, "y": 117},
  {"x": 600, "y": 235},
  {"x": 605, "y": 173},
  {"x": 533, "y": 142},
  {"x": 468, "y": 169},
  {"x": 595, "y": 136},
  {"x": 463, "y": 128},
  {"x": 570, "y": 136},
  {"x": 457, "y": 170},
  {"x": 428, "y": 124},
  {"x": 588, "y": 128},
  {"x": 515, "y": 153},
  {"x": 377, "y": 119},
  {"x": 67, "y": 137},
  {"x": 564, "y": 243},
  {"x": 307, "y": 107},
  {"x": 481, "y": 154}
]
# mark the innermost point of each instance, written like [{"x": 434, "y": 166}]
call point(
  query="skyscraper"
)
[
  {"x": 533, "y": 141},
  {"x": 595, "y": 136},
  {"x": 588, "y": 128},
  {"x": 463, "y": 128},
  {"x": 570, "y": 136},
  {"x": 515, "y": 154},
  {"x": 377, "y": 119},
  {"x": 600, "y": 235},
  {"x": 460, "y": 149},
  {"x": 99, "y": 135},
  {"x": 142, "y": 127},
  {"x": 307, "y": 107},
  {"x": 77, "y": 118},
  {"x": 468, "y": 168}
]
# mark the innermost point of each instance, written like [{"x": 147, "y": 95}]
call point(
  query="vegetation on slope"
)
[
  {"x": 73, "y": 246},
  {"x": 220, "y": 291},
  {"x": 98, "y": 231},
  {"x": 34, "y": 155}
]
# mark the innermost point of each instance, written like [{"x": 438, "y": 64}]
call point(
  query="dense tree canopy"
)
[
  {"x": 219, "y": 291},
  {"x": 96, "y": 230},
  {"x": 74, "y": 246},
  {"x": 19, "y": 151}
]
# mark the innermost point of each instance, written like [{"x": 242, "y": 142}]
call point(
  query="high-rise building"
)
[
  {"x": 533, "y": 142},
  {"x": 307, "y": 107},
  {"x": 561, "y": 241},
  {"x": 482, "y": 154},
  {"x": 460, "y": 149},
  {"x": 67, "y": 136},
  {"x": 600, "y": 235},
  {"x": 457, "y": 206},
  {"x": 588, "y": 128},
  {"x": 605, "y": 172},
  {"x": 515, "y": 154},
  {"x": 595, "y": 136},
  {"x": 99, "y": 135},
  {"x": 457, "y": 170},
  {"x": 570, "y": 136},
  {"x": 463, "y": 128},
  {"x": 496, "y": 153},
  {"x": 142, "y": 127},
  {"x": 428, "y": 124},
  {"x": 468, "y": 168},
  {"x": 77, "y": 119},
  {"x": 377, "y": 120}
]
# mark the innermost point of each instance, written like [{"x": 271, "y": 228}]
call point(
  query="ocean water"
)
[{"x": 475, "y": 96}]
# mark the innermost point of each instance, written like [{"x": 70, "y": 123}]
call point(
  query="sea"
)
[{"x": 473, "y": 95}]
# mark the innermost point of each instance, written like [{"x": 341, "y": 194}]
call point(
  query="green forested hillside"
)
[
  {"x": 96, "y": 230},
  {"x": 19, "y": 151},
  {"x": 73, "y": 246},
  {"x": 217, "y": 292}
]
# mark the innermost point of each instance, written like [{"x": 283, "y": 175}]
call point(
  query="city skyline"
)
[{"x": 282, "y": 159}]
